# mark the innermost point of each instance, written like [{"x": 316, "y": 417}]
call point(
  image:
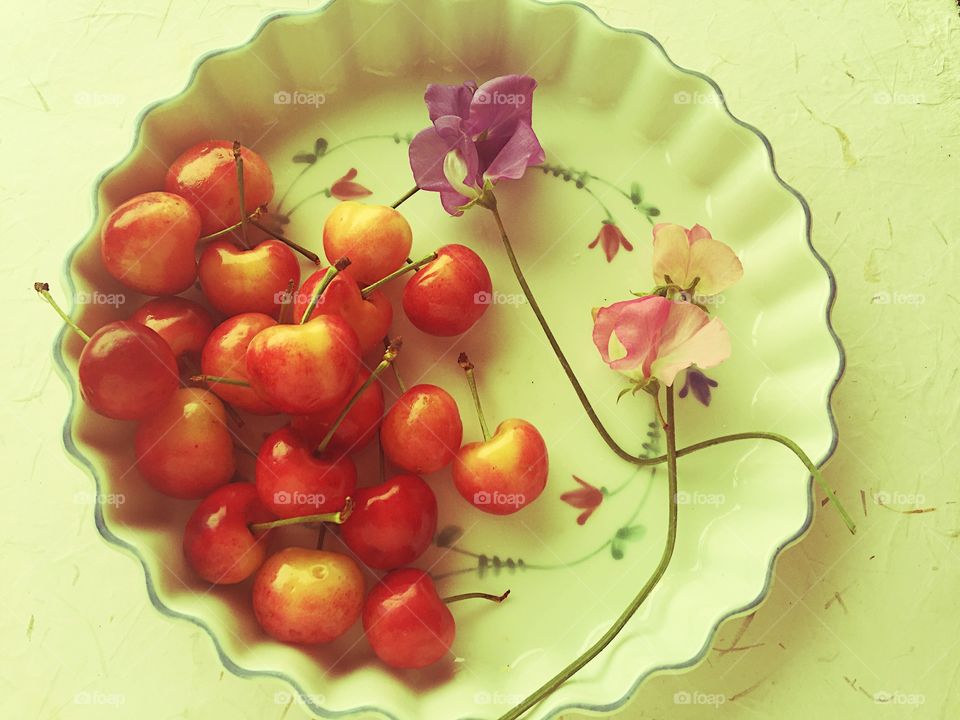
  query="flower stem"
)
[
  {"x": 388, "y": 357},
  {"x": 337, "y": 518},
  {"x": 397, "y": 273},
  {"x": 467, "y": 366},
  {"x": 477, "y": 596},
  {"x": 218, "y": 380},
  {"x": 238, "y": 161},
  {"x": 406, "y": 196},
  {"x": 43, "y": 290},
  {"x": 598, "y": 647},
  {"x": 332, "y": 272}
]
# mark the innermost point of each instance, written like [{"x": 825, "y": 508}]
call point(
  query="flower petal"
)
[
  {"x": 521, "y": 150},
  {"x": 627, "y": 334},
  {"x": 689, "y": 338},
  {"x": 500, "y": 104},
  {"x": 671, "y": 255},
  {"x": 716, "y": 264},
  {"x": 449, "y": 99},
  {"x": 697, "y": 232}
]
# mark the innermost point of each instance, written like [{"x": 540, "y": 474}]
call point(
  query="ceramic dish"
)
[{"x": 348, "y": 80}]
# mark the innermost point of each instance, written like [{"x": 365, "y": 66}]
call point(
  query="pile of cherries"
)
[{"x": 268, "y": 345}]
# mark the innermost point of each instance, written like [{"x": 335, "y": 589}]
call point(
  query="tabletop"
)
[{"x": 860, "y": 99}]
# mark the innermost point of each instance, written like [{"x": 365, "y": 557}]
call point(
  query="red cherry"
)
[
  {"x": 357, "y": 428},
  {"x": 184, "y": 324},
  {"x": 293, "y": 481},
  {"x": 186, "y": 449},
  {"x": 206, "y": 175},
  {"x": 422, "y": 431},
  {"x": 392, "y": 523},
  {"x": 302, "y": 369},
  {"x": 448, "y": 295},
  {"x": 127, "y": 371},
  {"x": 238, "y": 281},
  {"x": 369, "y": 317},
  {"x": 225, "y": 355},
  {"x": 376, "y": 238},
  {"x": 406, "y": 622},
  {"x": 307, "y": 596},
  {"x": 217, "y": 541},
  {"x": 148, "y": 243},
  {"x": 505, "y": 473}
]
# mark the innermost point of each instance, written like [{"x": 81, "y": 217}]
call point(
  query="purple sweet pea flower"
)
[{"x": 479, "y": 135}]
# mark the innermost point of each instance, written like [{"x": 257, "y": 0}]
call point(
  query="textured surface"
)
[{"x": 862, "y": 119}]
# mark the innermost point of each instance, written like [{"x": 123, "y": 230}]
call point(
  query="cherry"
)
[
  {"x": 148, "y": 243},
  {"x": 225, "y": 355},
  {"x": 422, "y": 431},
  {"x": 505, "y": 472},
  {"x": 370, "y": 316},
  {"x": 448, "y": 295},
  {"x": 238, "y": 281},
  {"x": 218, "y": 542},
  {"x": 376, "y": 238},
  {"x": 184, "y": 324},
  {"x": 186, "y": 449},
  {"x": 406, "y": 622},
  {"x": 392, "y": 523},
  {"x": 307, "y": 596},
  {"x": 206, "y": 175},
  {"x": 293, "y": 480},
  {"x": 358, "y": 427}
]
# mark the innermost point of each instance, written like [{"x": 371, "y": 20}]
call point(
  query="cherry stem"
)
[
  {"x": 396, "y": 369},
  {"x": 388, "y": 357},
  {"x": 406, "y": 196},
  {"x": 236, "y": 226},
  {"x": 285, "y": 316},
  {"x": 477, "y": 596},
  {"x": 598, "y": 647},
  {"x": 238, "y": 161},
  {"x": 337, "y": 518},
  {"x": 218, "y": 380},
  {"x": 308, "y": 254},
  {"x": 397, "y": 273},
  {"x": 192, "y": 368},
  {"x": 332, "y": 272},
  {"x": 43, "y": 290},
  {"x": 467, "y": 366}
]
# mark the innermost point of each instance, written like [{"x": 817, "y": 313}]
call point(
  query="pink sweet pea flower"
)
[
  {"x": 652, "y": 337},
  {"x": 479, "y": 135},
  {"x": 684, "y": 255}
]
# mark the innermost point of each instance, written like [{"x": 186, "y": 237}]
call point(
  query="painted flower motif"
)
[
  {"x": 586, "y": 498},
  {"x": 346, "y": 189},
  {"x": 682, "y": 257},
  {"x": 652, "y": 337},
  {"x": 611, "y": 238},
  {"x": 480, "y": 135},
  {"x": 699, "y": 385}
]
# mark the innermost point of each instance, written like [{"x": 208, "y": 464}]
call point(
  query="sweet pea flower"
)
[
  {"x": 479, "y": 135},
  {"x": 611, "y": 239},
  {"x": 681, "y": 256},
  {"x": 652, "y": 337}
]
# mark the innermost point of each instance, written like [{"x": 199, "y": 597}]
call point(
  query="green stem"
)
[
  {"x": 598, "y": 647},
  {"x": 238, "y": 161},
  {"x": 332, "y": 272},
  {"x": 43, "y": 290},
  {"x": 338, "y": 518},
  {"x": 406, "y": 196},
  {"x": 325, "y": 192},
  {"x": 309, "y": 254},
  {"x": 397, "y": 273},
  {"x": 236, "y": 226},
  {"x": 477, "y": 596},
  {"x": 467, "y": 366},
  {"x": 388, "y": 357}
]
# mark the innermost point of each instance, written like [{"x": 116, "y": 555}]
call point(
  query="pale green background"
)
[{"x": 860, "y": 100}]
